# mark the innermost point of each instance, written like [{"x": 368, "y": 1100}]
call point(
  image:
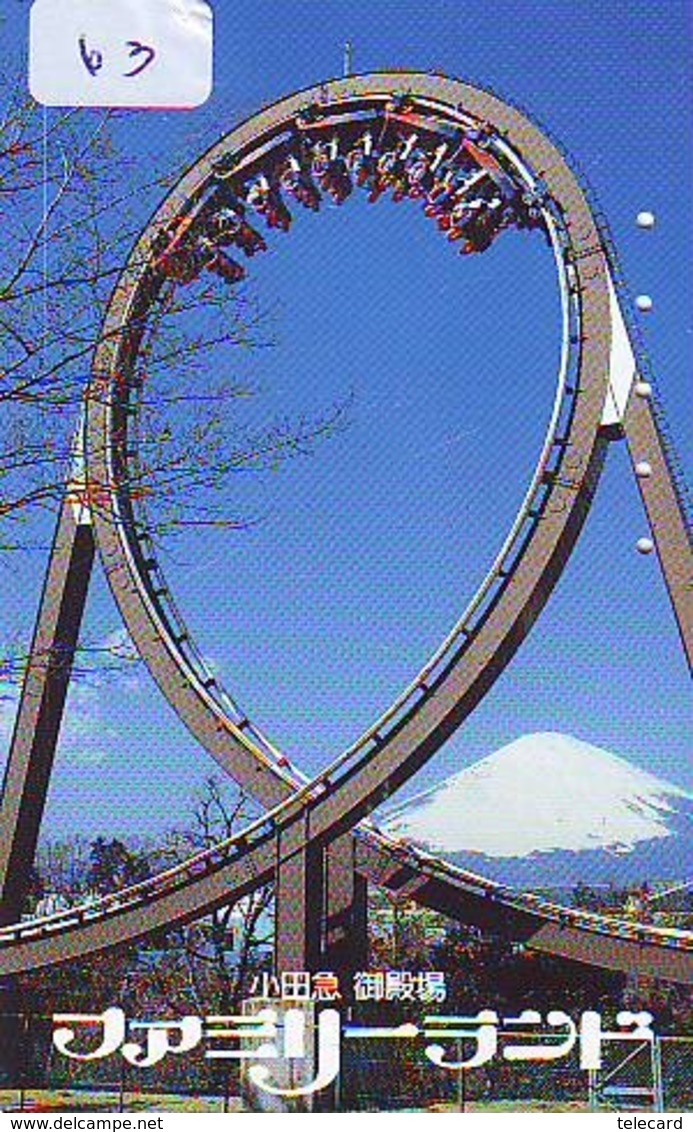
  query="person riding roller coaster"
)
[
  {"x": 462, "y": 218},
  {"x": 452, "y": 183},
  {"x": 266, "y": 199},
  {"x": 297, "y": 181},
  {"x": 527, "y": 211},
  {"x": 217, "y": 262},
  {"x": 223, "y": 219},
  {"x": 444, "y": 192},
  {"x": 392, "y": 174},
  {"x": 475, "y": 193},
  {"x": 362, "y": 163},
  {"x": 176, "y": 258},
  {"x": 184, "y": 256},
  {"x": 420, "y": 169},
  {"x": 423, "y": 170},
  {"x": 229, "y": 227},
  {"x": 406, "y": 156},
  {"x": 484, "y": 225}
]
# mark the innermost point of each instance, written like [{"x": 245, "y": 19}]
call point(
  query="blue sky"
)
[{"x": 369, "y": 549}]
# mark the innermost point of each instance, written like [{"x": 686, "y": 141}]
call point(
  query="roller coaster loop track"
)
[{"x": 478, "y": 166}]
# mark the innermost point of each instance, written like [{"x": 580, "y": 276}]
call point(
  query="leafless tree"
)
[
  {"x": 66, "y": 206},
  {"x": 203, "y": 967},
  {"x": 71, "y": 204},
  {"x": 220, "y": 953}
]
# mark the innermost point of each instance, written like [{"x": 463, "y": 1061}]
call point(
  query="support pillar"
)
[
  {"x": 345, "y": 942},
  {"x": 11, "y": 1033},
  {"x": 299, "y": 900},
  {"x": 665, "y": 509},
  {"x": 34, "y": 742},
  {"x": 42, "y": 703}
]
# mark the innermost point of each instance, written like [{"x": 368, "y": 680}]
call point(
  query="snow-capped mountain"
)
[{"x": 550, "y": 809}]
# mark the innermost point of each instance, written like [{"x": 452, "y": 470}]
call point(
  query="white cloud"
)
[
  {"x": 112, "y": 662},
  {"x": 84, "y": 732},
  {"x": 119, "y": 643},
  {"x": 8, "y": 707}
]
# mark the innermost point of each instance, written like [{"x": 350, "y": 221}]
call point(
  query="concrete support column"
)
[
  {"x": 41, "y": 706},
  {"x": 345, "y": 943},
  {"x": 665, "y": 510},
  {"x": 299, "y": 899},
  {"x": 34, "y": 742}
]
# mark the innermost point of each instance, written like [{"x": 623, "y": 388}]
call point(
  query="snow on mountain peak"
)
[{"x": 542, "y": 792}]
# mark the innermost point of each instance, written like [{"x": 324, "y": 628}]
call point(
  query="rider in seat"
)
[
  {"x": 331, "y": 170},
  {"x": 228, "y": 227},
  {"x": 267, "y": 201},
  {"x": 362, "y": 163},
  {"x": 299, "y": 183},
  {"x": 218, "y": 262}
]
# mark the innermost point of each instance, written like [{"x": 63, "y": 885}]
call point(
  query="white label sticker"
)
[{"x": 144, "y": 53}]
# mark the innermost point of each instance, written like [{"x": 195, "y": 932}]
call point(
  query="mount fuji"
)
[{"x": 550, "y": 810}]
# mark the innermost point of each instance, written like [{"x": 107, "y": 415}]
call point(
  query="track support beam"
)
[
  {"x": 42, "y": 704},
  {"x": 345, "y": 944},
  {"x": 299, "y": 898},
  {"x": 34, "y": 742},
  {"x": 665, "y": 511}
]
